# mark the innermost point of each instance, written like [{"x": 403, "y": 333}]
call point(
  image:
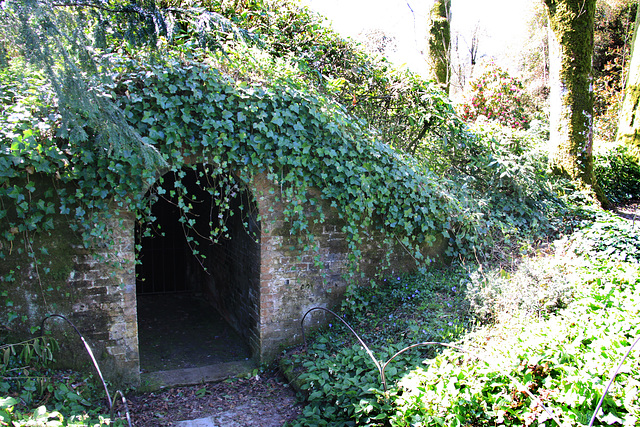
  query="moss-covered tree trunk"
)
[
  {"x": 571, "y": 26},
  {"x": 629, "y": 118},
  {"x": 439, "y": 42}
]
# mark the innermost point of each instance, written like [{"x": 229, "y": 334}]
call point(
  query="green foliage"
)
[
  {"x": 267, "y": 118},
  {"x": 186, "y": 109},
  {"x": 618, "y": 174},
  {"x": 342, "y": 384},
  {"x": 566, "y": 361},
  {"x": 500, "y": 177},
  {"x": 614, "y": 26},
  {"x": 498, "y": 96},
  {"x": 58, "y": 41},
  {"x": 275, "y": 128},
  {"x": 27, "y": 383},
  {"x": 608, "y": 239},
  {"x": 24, "y": 100},
  {"x": 21, "y": 365},
  {"x": 94, "y": 158},
  {"x": 564, "y": 355},
  {"x": 405, "y": 110}
]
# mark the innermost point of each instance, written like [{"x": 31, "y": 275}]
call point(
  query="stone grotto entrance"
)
[{"x": 197, "y": 298}]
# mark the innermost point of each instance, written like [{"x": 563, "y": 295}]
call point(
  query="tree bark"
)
[
  {"x": 439, "y": 43},
  {"x": 571, "y": 28},
  {"x": 629, "y": 117}
]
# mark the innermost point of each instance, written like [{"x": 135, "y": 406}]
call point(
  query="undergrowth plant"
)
[
  {"x": 34, "y": 394},
  {"x": 608, "y": 238},
  {"x": 566, "y": 361},
  {"x": 563, "y": 324},
  {"x": 500, "y": 175},
  {"x": 618, "y": 174},
  {"x": 338, "y": 377}
]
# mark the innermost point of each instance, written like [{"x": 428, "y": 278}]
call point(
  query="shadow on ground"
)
[{"x": 183, "y": 340}]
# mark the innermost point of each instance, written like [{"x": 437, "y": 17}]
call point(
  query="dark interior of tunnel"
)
[{"x": 197, "y": 296}]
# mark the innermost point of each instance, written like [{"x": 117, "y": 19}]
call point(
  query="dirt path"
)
[
  {"x": 262, "y": 401},
  {"x": 630, "y": 211}
]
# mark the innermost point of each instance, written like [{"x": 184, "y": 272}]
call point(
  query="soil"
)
[
  {"x": 179, "y": 331},
  {"x": 265, "y": 400},
  {"x": 629, "y": 211}
]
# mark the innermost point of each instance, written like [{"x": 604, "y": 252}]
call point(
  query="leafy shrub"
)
[
  {"x": 18, "y": 361},
  {"x": 500, "y": 176},
  {"x": 24, "y": 104},
  {"x": 618, "y": 174},
  {"x": 534, "y": 290},
  {"x": 405, "y": 109},
  {"x": 27, "y": 384},
  {"x": 497, "y": 96},
  {"x": 44, "y": 418}
]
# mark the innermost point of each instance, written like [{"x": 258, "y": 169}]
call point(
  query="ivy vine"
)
[
  {"x": 247, "y": 111},
  {"x": 192, "y": 113},
  {"x": 297, "y": 137}
]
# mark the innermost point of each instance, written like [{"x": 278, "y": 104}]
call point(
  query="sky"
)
[{"x": 502, "y": 23}]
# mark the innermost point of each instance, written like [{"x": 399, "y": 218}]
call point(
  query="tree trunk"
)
[
  {"x": 440, "y": 43},
  {"x": 571, "y": 26},
  {"x": 629, "y": 118}
]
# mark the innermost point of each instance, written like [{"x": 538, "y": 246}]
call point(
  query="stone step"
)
[{"x": 193, "y": 376}]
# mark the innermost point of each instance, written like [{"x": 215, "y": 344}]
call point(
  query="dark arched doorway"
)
[{"x": 197, "y": 272}]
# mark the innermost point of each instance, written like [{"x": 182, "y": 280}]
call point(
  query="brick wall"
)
[
  {"x": 292, "y": 281},
  {"x": 95, "y": 290},
  {"x": 263, "y": 288}
]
